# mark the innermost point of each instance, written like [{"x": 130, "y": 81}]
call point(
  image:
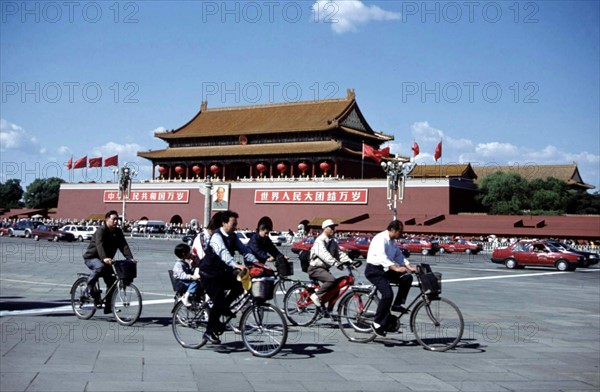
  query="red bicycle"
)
[{"x": 301, "y": 310}]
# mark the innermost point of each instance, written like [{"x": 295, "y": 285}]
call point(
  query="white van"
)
[{"x": 151, "y": 227}]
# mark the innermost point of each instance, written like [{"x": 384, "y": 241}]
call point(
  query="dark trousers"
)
[
  {"x": 215, "y": 288},
  {"x": 382, "y": 280},
  {"x": 100, "y": 269},
  {"x": 322, "y": 275}
]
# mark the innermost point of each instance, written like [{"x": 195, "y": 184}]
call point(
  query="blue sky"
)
[{"x": 502, "y": 83}]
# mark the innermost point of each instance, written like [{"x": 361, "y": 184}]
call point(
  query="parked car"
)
[
  {"x": 423, "y": 246},
  {"x": 79, "y": 232},
  {"x": 363, "y": 243},
  {"x": 51, "y": 234},
  {"x": 306, "y": 244},
  {"x": 591, "y": 258},
  {"x": 244, "y": 236},
  {"x": 536, "y": 253},
  {"x": 303, "y": 244},
  {"x": 465, "y": 246},
  {"x": 22, "y": 228},
  {"x": 91, "y": 230},
  {"x": 277, "y": 238}
]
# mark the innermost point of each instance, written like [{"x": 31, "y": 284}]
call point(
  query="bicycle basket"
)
[
  {"x": 262, "y": 288},
  {"x": 284, "y": 268},
  {"x": 431, "y": 282},
  {"x": 126, "y": 270}
]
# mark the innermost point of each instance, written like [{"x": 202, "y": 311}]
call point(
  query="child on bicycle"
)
[
  {"x": 385, "y": 265},
  {"x": 185, "y": 275},
  {"x": 325, "y": 254}
]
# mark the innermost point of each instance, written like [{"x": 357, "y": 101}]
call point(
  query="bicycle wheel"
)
[
  {"x": 281, "y": 288},
  {"x": 438, "y": 326},
  {"x": 264, "y": 330},
  {"x": 356, "y": 314},
  {"x": 298, "y": 306},
  {"x": 189, "y": 324},
  {"x": 126, "y": 303},
  {"x": 82, "y": 304}
]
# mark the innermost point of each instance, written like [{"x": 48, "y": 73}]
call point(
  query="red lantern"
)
[
  {"x": 281, "y": 167},
  {"x": 178, "y": 169},
  {"x": 324, "y": 166},
  {"x": 261, "y": 167},
  {"x": 162, "y": 170},
  {"x": 302, "y": 166},
  {"x": 214, "y": 169},
  {"x": 196, "y": 169}
]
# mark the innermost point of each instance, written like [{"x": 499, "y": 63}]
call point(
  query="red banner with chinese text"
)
[
  {"x": 311, "y": 196},
  {"x": 147, "y": 196}
]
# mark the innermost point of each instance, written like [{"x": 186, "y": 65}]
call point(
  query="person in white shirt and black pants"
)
[{"x": 385, "y": 265}]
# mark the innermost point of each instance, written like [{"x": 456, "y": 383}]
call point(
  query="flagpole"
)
[{"x": 362, "y": 162}]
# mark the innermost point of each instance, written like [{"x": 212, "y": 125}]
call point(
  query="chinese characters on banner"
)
[
  {"x": 141, "y": 196},
  {"x": 311, "y": 196}
]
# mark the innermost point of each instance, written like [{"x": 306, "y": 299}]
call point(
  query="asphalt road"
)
[{"x": 525, "y": 330}]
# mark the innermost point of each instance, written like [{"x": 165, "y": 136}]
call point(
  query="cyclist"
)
[
  {"x": 217, "y": 269},
  {"x": 261, "y": 245},
  {"x": 325, "y": 254},
  {"x": 100, "y": 253},
  {"x": 202, "y": 239},
  {"x": 385, "y": 265}
]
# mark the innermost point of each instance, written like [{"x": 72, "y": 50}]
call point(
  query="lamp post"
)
[
  {"x": 208, "y": 191},
  {"x": 396, "y": 170},
  {"x": 126, "y": 175}
]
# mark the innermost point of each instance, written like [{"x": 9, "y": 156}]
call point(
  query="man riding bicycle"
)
[
  {"x": 325, "y": 254},
  {"x": 217, "y": 272},
  {"x": 385, "y": 265},
  {"x": 100, "y": 253}
]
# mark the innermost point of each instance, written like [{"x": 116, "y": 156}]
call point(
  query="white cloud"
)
[
  {"x": 14, "y": 137},
  {"x": 64, "y": 150},
  {"x": 503, "y": 153},
  {"x": 347, "y": 15}
]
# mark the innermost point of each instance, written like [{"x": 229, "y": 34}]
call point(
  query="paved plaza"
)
[{"x": 525, "y": 330}]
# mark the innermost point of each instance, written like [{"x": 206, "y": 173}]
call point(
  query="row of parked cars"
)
[
  {"x": 39, "y": 231},
  {"x": 541, "y": 253}
]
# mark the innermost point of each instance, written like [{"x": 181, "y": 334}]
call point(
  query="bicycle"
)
[
  {"x": 300, "y": 309},
  {"x": 262, "y": 325},
  {"x": 436, "y": 322},
  {"x": 126, "y": 302}
]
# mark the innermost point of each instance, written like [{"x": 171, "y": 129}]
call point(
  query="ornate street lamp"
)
[
  {"x": 126, "y": 175},
  {"x": 396, "y": 170}
]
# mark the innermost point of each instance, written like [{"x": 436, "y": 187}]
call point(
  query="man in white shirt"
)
[{"x": 385, "y": 265}]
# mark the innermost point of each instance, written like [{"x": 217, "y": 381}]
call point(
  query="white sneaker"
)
[
  {"x": 186, "y": 299},
  {"x": 315, "y": 299}
]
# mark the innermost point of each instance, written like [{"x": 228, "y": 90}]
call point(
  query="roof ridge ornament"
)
[
  {"x": 350, "y": 94},
  {"x": 204, "y": 106}
]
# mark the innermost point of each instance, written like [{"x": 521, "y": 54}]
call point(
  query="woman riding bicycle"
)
[
  {"x": 385, "y": 265},
  {"x": 261, "y": 245},
  {"x": 100, "y": 253},
  {"x": 325, "y": 254}
]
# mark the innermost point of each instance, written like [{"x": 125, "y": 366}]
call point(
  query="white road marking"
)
[{"x": 60, "y": 309}]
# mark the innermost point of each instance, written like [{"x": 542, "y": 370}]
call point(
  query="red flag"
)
[
  {"x": 70, "y": 163},
  {"x": 80, "y": 163},
  {"x": 371, "y": 152},
  {"x": 415, "y": 149},
  {"x": 438, "y": 151},
  {"x": 111, "y": 161},
  {"x": 95, "y": 162}
]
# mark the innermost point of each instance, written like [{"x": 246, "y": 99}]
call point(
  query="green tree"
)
[
  {"x": 43, "y": 193},
  {"x": 504, "y": 193},
  {"x": 583, "y": 202},
  {"x": 11, "y": 193},
  {"x": 549, "y": 196}
]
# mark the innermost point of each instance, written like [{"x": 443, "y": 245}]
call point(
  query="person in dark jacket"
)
[
  {"x": 261, "y": 245},
  {"x": 216, "y": 271},
  {"x": 100, "y": 254}
]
